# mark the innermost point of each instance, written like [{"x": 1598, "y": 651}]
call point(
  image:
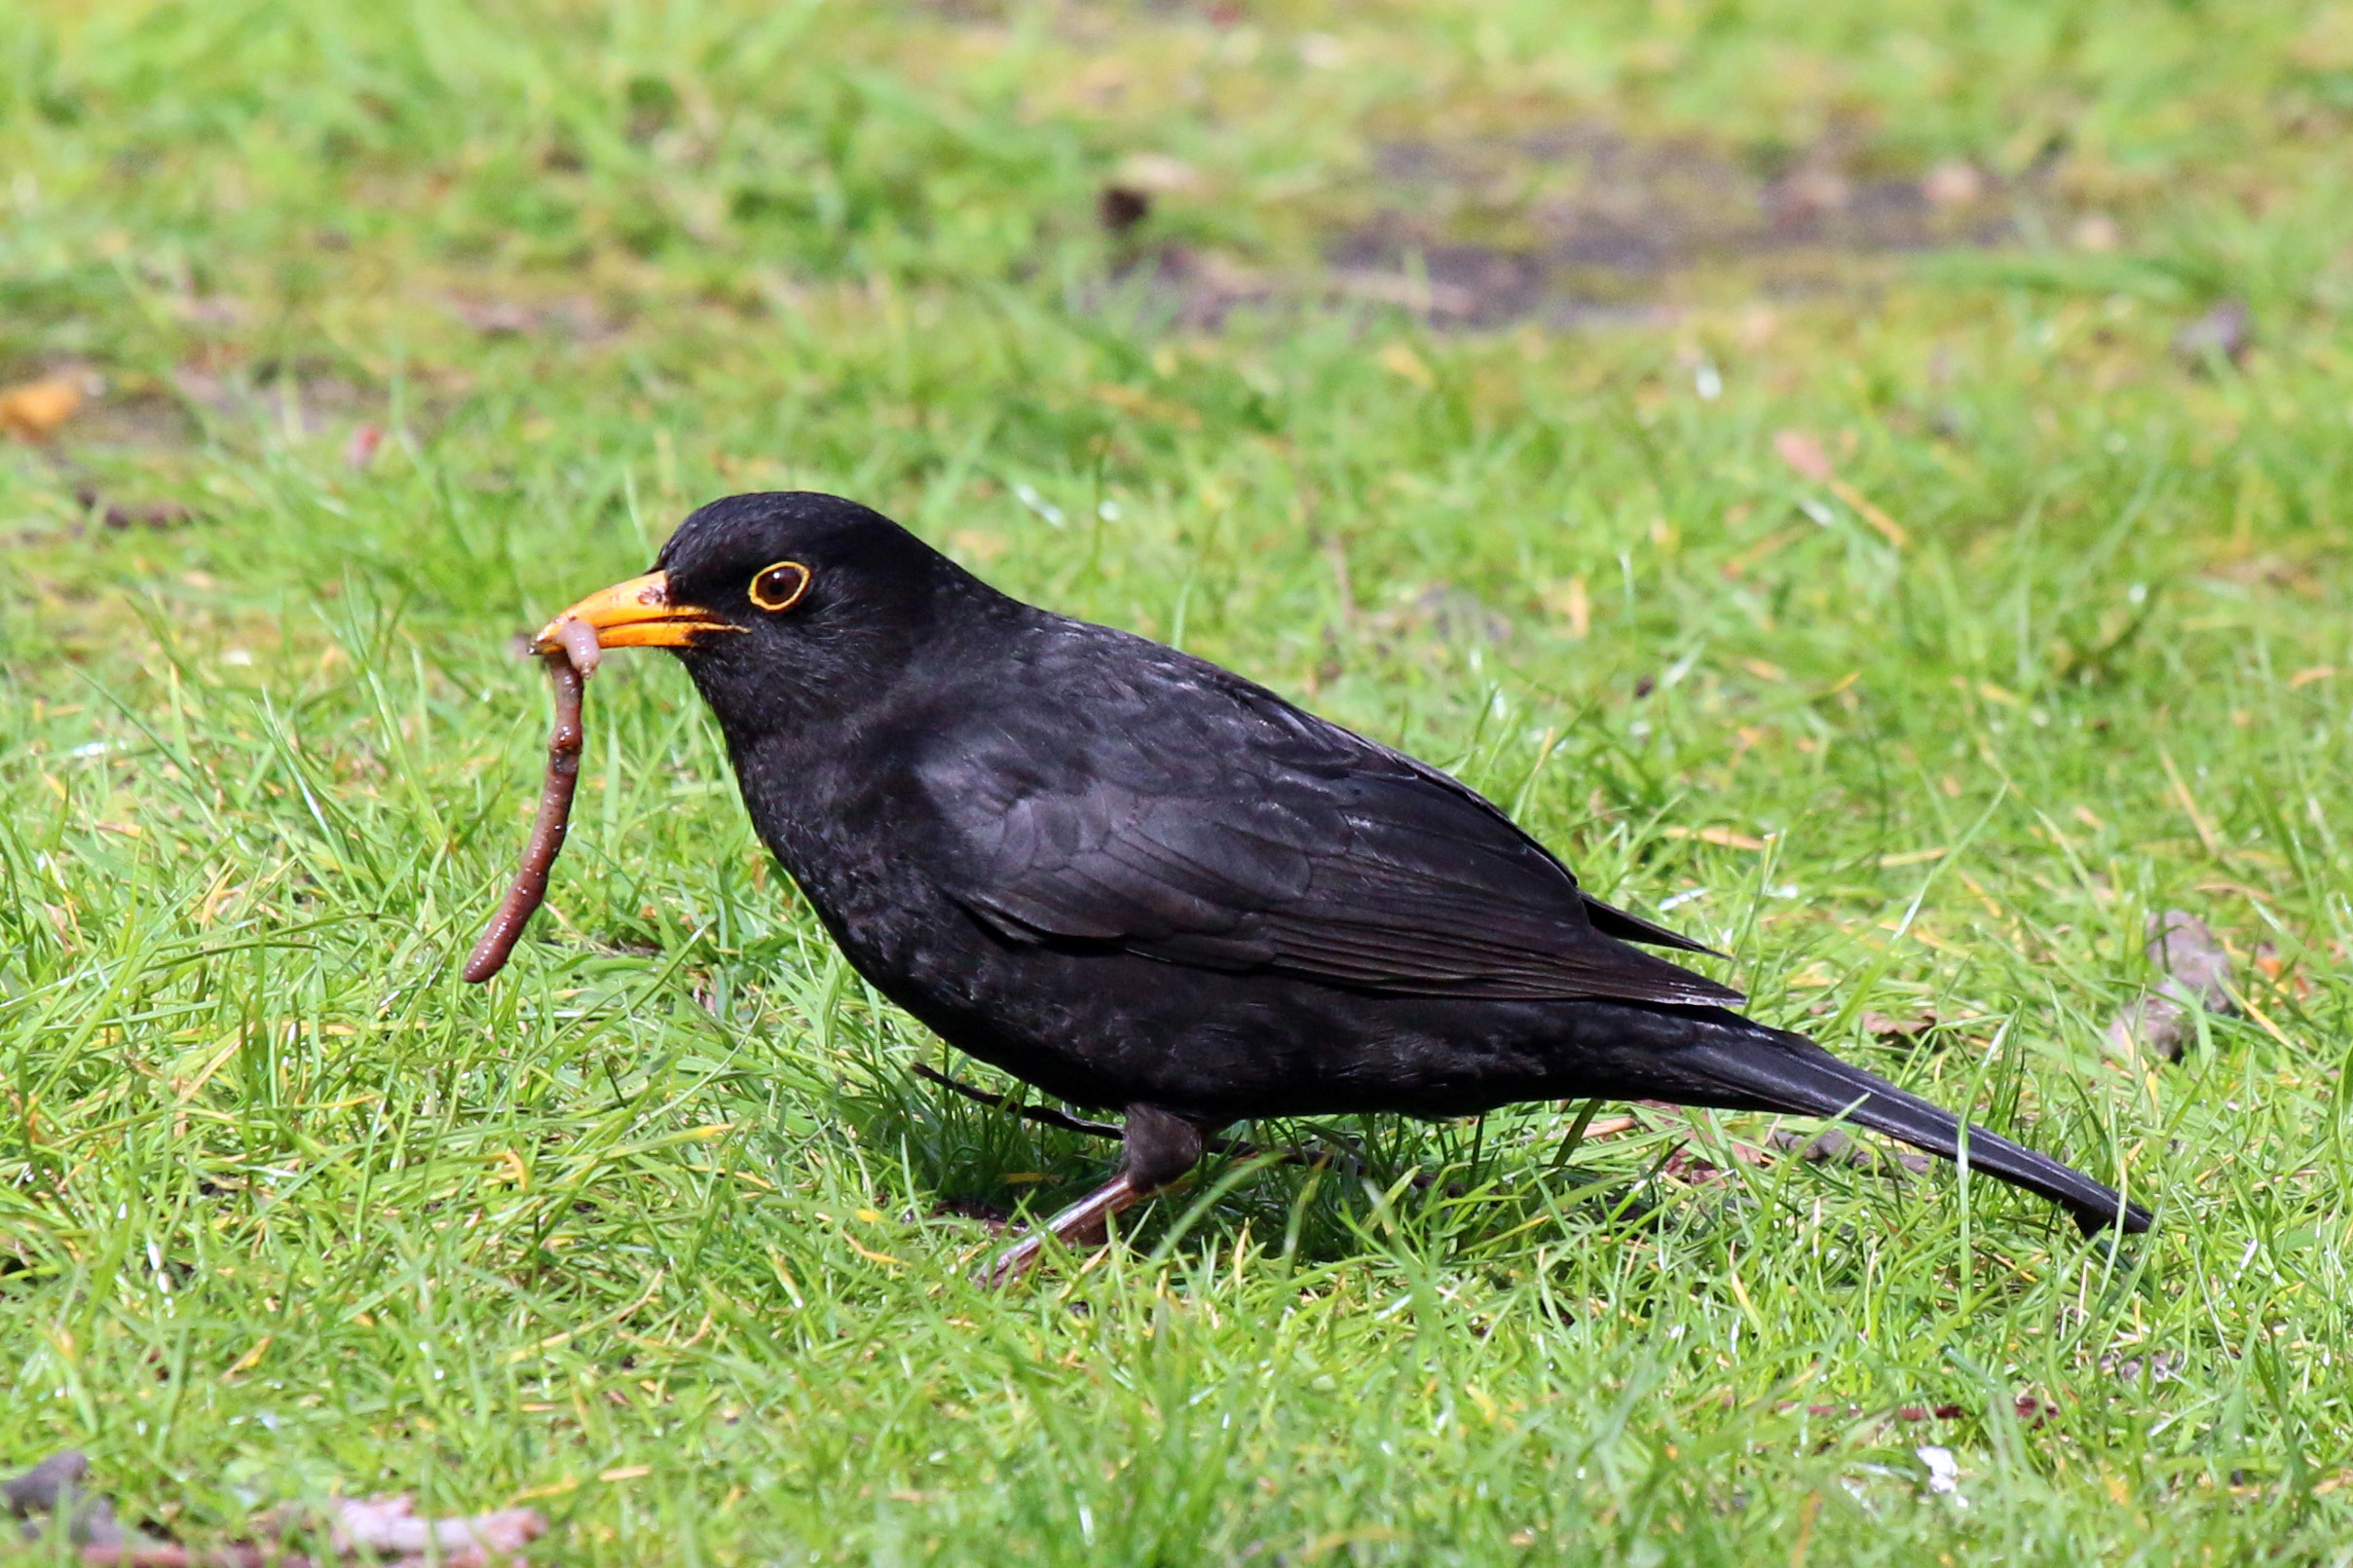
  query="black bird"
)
[{"x": 1131, "y": 878}]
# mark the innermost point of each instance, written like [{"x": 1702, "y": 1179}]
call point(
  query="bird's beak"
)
[{"x": 636, "y": 614}]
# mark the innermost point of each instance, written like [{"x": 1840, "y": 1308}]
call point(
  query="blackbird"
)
[{"x": 1131, "y": 878}]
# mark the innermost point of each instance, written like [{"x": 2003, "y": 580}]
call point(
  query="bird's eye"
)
[{"x": 780, "y": 587}]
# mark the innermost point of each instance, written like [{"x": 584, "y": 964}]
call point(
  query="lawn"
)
[{"x": 1807, "y": 461}]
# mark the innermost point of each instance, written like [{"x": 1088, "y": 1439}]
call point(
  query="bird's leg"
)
[{"x": 1160, "y": 1148}]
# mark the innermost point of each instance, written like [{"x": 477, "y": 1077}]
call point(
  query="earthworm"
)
[
  {"x": 573, "y": 659},
  {"x": 579, "y": 640}
]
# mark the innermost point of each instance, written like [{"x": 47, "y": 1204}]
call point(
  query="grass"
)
[{"x": 660, "y": 1232}]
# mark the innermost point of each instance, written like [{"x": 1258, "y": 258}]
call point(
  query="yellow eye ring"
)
[{"x": 779, "y": 587}]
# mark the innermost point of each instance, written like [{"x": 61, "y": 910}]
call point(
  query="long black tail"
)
[{"x": 1760, "y": 1069}]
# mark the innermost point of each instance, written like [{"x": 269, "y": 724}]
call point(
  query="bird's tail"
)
[{"x": 1773, "y": 1069}]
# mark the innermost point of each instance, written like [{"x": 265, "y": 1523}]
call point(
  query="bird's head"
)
[{"x": 784, "y": 604}]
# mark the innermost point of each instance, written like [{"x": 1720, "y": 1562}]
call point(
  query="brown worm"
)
[{"x": 569, "y": 667}]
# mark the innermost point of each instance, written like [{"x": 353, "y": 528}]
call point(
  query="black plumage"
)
[{"x": 1131, "y": 878}]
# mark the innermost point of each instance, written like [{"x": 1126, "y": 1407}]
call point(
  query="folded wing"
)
[{"x": 1249, "y": 835}]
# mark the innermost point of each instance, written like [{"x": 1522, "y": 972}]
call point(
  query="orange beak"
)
[{"x": 636, "y": 614}]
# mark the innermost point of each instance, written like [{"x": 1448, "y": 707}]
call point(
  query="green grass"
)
[{"x": 659, "y": 1230}]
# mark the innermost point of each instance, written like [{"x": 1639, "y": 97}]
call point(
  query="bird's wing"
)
[
  {"x": 1198, "y": 820},
  {"x": 1608, "y": 919}
]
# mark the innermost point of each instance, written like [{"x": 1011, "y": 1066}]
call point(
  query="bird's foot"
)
[{"x": 1086, "y": 1215}]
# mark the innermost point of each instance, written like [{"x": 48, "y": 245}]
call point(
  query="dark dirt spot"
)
[
  {"x": 1574, "y": 223},
  {"x": 1584, "y": 214},
  {"x": 1121, "y": 207}
]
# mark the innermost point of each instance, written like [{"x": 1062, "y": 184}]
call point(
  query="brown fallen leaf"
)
[
  {"x": 33, "y": 410},
  {"x": 2269, "y": 965}
]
